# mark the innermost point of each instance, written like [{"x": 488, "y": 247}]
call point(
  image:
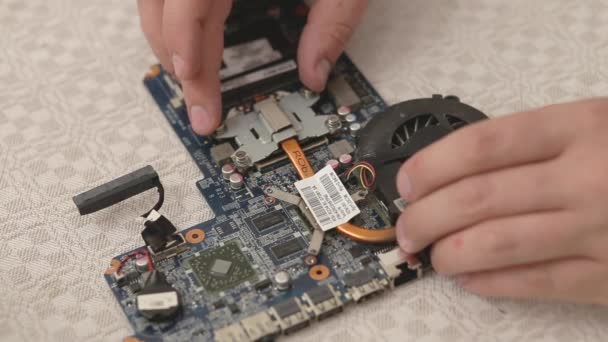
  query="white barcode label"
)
[{"x": 327, "y": 198}]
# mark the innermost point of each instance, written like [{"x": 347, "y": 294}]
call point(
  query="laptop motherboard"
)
[{"x": 302, "y": 186}]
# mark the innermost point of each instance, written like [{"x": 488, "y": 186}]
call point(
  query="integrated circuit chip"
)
[
  {"x": 323, "y": 301},
  {"x": 221, "y": 268},
  {"x": 356, "y": 251},
  {"x": 269, "y": 220},
  {"x": 291, "y": 316},
  {"x": 287, "y": 308},
  {"x": 263, "y": 284},
  {"x": 226, "y": 228},
  {"x": 287, "y": 248},
  {"x": 358, "y": 278},
  {"x": 320, "y": 294}
]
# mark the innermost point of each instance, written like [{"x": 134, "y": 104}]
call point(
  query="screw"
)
[
  {"x": 242, "y": 160},
  {"x": 333, "y": 123},
  {"x": 310, "y": 260},
  {"x": 308, "y": 94}
]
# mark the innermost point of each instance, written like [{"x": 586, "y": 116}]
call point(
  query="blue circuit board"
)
[{"x": 201, "y": 315}]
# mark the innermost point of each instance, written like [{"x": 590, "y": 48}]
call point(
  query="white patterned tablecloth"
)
[{"x": 73, "y": 113}]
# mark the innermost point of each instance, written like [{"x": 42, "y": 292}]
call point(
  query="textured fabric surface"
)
[{"x": 73, "y": 114}]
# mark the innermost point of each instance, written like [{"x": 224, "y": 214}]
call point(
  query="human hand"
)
[
  {"x": 516, "y": 206},
  {"x": 187, "y": 36}
]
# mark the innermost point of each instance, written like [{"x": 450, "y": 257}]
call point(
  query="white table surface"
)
[{"x": 73, "y": 114}]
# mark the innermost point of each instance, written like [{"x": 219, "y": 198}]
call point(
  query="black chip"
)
[
  {"x": 366, "y": 260},
  {"x": 367, "y": 100},
  {"x": 221, "y": 268},
  {"x": 219, "y": 305},
  {"x": 358, "y": 278},
  {"x": 287, "y": 248},
  {"x": 359, "y": 90},
  {"x": 269, "y": 220},
  {"x": 287, "y": 308},
  {"x": 233, "y": 308},
  {"x": 135, "y": 287},
  {"x": 320, "y": 294},
  {"x": 226, "y": 228},
  {"x": 263, "y": 284},
  {"x": 356, "y": 251},
  {"x": 122, "y": 281},
  {"x": 129, "y": 278}
]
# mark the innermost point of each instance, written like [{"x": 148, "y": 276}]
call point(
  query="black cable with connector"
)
[
  {"x": 158, "y": 233},
  {"x": 120, "y": 189}
]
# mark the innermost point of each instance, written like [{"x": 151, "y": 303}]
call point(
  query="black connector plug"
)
[{"x": 119, "y": 190}]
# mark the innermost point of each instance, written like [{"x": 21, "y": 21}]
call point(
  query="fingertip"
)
[
  {"x": 404, "y": 241},
  {"x": 322, "y": 70},
  {"x": 314, "y": 61},
  {"x": 330, "y": 26},
  {"x": 202, "y": 120},
  {"x": 315, "y": 76},
  {"x": 204, "y": 101},
  {"x": 404, "y": 185},
  {"x": 150, "y": 17}
]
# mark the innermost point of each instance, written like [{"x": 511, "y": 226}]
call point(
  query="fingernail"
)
[
  {"x": 406, "y": 244},
  {"x": 323, "y": 69},
  {"x": 198, "y": 118},
  {"x": 404, "y": 186},
  {"x": 179, "y": 66}
]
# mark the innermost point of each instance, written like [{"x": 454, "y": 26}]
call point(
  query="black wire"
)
[{"x": 159, "y": 203}]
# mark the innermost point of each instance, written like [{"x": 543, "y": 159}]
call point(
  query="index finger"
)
[
  {"x": 488, "y": 145},
  {"x": 194, "y": 33},
  {"x": 151, "y": 18},
  {"x": 330, "y": 25}
]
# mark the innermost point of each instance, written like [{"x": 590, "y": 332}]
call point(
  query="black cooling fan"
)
[{"x": 392, "y": 137}]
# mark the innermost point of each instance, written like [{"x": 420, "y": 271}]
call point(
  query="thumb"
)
[{"x": 330, "y": 25}]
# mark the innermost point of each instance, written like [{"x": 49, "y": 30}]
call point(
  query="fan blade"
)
[{"x": 400, "y": 139}]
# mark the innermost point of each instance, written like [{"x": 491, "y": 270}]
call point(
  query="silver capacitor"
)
[
  {"x": 354, "y": 129},
  {"x": 350, "y": 118},
  {"x": 236, "y": 181},
  {"x": 343, "y": 111},
  {"x": 282, "y": 280},
  {"x": 227, "y": 171},
  {"x": 141, "y": 264}
]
